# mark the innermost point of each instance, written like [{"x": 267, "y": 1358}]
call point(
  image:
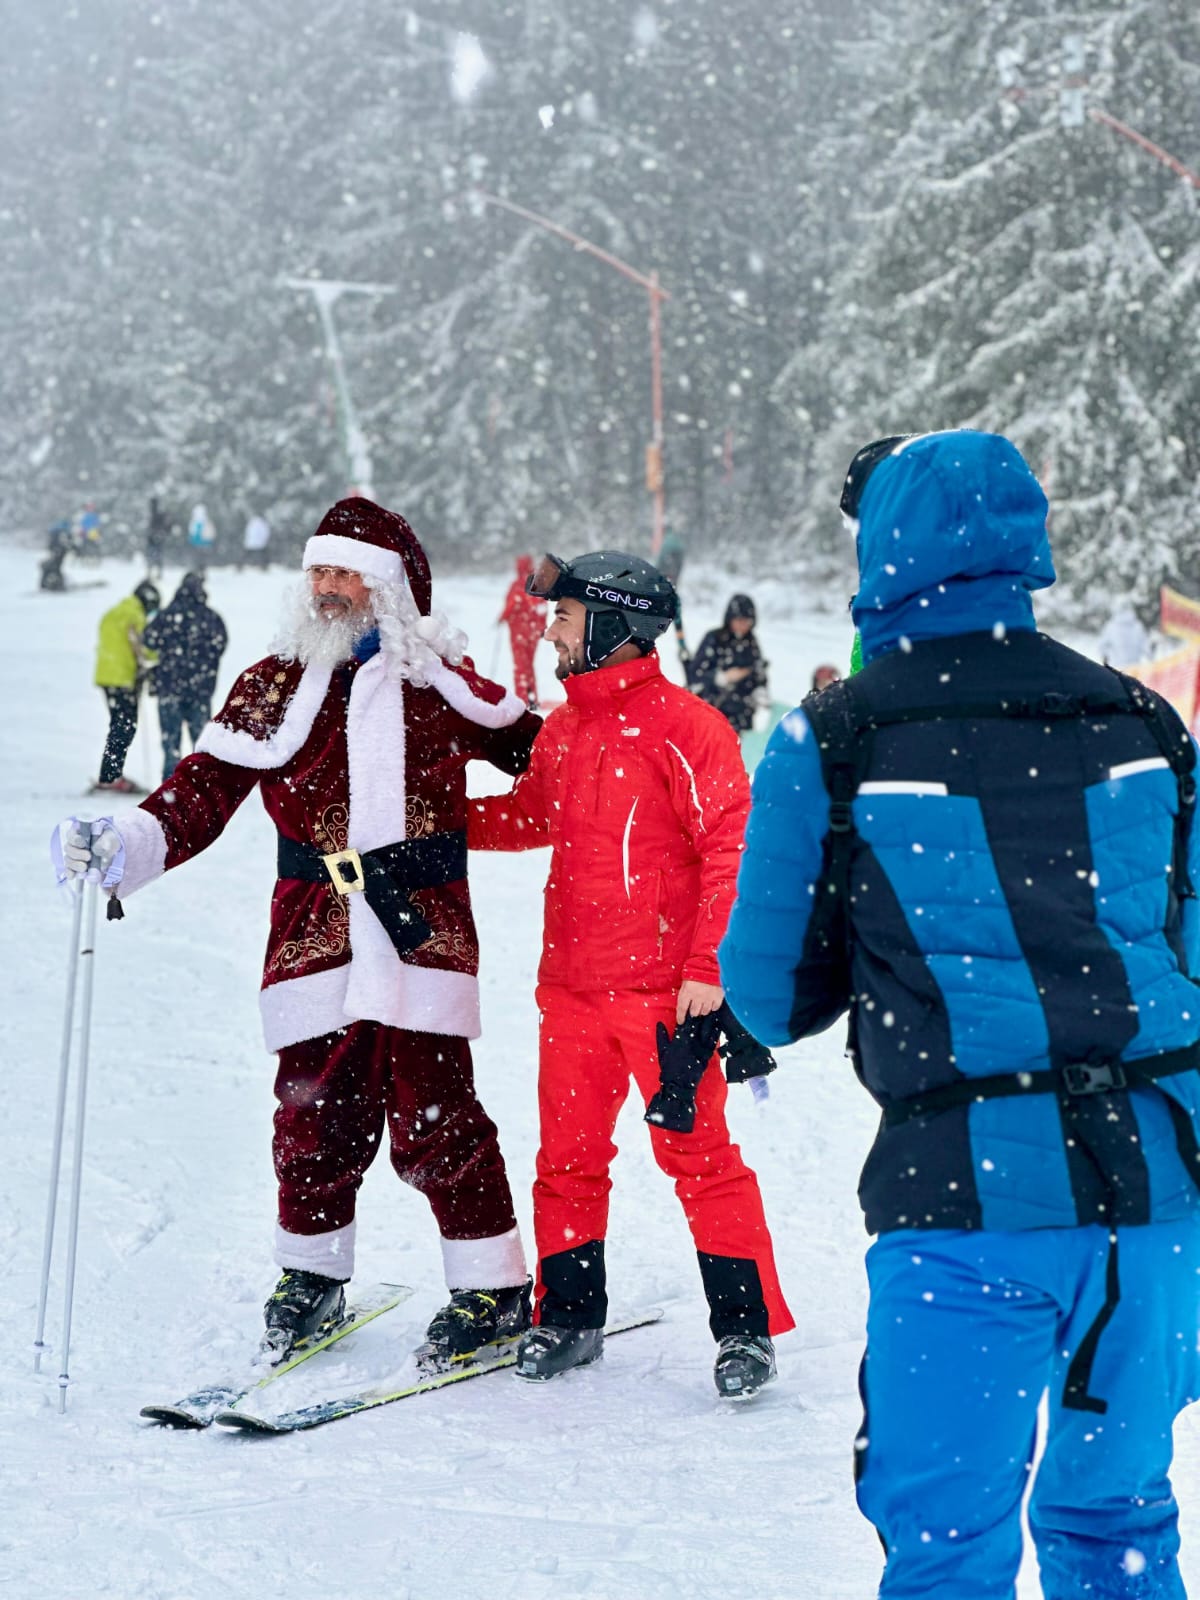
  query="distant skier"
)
[
  {"x": 122, "y": 660},
  {"x": 640, "y": 792},
  {"x": 88, "y": 533},
  {"x": 982, "y": 846},
  {"x": 728, "y": 670},
  {"x": 157, "y": 529},
  {"x": 357, "y": 735},
  {"x": 1124, "y": 641},
  {"x": 202, "y": 536},
  {"x": 525, "y": 615},
  {"x": 58, "y": 547},
  {"x": 189, "y": 639},
  {"x": 256, "y": 541}
]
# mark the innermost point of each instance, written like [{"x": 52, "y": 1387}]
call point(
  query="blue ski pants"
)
[{"x": 965, "y": 1333}]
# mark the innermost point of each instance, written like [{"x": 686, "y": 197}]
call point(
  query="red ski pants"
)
[
  {"x": 524, "y": 643},
  {"x": 591, "y": 1045},
  {"x": 335, "y": 1094}
]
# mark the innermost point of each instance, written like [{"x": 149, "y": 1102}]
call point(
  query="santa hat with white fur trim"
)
[{"x": 365, "y": 538}]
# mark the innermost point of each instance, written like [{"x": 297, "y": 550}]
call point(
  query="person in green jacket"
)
[{"x": 121, "y": 659}]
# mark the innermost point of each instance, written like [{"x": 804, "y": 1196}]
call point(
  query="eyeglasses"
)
[{"x": 861, "y": 468}]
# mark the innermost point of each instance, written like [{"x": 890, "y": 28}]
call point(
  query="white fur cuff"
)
[
  {"x": 145, "y": 850},
  {"x": 331, "y": 1254},
  {"x": 496, "y": 1263}
]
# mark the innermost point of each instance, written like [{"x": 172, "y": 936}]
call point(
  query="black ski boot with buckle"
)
[
  {"x": 745, "y": 1361},
  {"x": 302, "y": 1306},
  {"x": 546, "y": 1351},
  {"x": 474, "y": 1321}
]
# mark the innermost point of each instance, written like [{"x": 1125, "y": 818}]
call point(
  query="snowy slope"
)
[{"x": 625, "y": 1482}]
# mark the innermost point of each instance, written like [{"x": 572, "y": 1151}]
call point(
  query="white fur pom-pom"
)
[
  {"x": 413, "y": 644},
  {"x": 446, "y": 640}
]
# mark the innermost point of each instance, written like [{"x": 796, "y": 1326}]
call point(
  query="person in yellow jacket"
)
[{"x": 120, "y": 659}]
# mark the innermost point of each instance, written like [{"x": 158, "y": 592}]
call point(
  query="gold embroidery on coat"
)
[
  {"x": 418, "y": 817},
  {"x": 330, "y": 828},
  {"x": 331, "y": 940},
  {"x": 453, "y": 945}
]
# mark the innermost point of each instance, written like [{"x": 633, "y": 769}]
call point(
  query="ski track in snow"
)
[{"x": 623, "y": 1482}]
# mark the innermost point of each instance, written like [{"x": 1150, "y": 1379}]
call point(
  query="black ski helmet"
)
[{"x": 625, "y": 598}]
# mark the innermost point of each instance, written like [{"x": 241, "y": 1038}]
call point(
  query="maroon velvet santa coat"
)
[{"x": 349, "y": 757}]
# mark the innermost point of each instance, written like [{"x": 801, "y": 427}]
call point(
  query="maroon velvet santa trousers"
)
[{"x": 335, "y": 1094}]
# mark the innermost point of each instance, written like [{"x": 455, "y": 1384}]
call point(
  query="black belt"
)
[
  {"x": 1075, "y": 1078},
  {"x": 385, "y": 877}
]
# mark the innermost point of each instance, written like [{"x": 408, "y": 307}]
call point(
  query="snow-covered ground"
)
[{"x": 623, "y": 1482}]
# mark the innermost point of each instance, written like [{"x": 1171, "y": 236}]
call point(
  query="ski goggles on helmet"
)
[
  {"x": 552, "y": 579},
  {"x": 861, "y": 468},
  {"x": 547, "y": 575}
]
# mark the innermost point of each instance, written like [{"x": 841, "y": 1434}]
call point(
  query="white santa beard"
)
[{"x": 313, "y": 637}]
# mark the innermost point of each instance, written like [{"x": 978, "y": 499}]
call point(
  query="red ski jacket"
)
[{"x": 641, "y": 792}]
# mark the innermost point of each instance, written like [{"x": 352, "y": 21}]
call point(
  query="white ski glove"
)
[{"x": 88, "y": 852}]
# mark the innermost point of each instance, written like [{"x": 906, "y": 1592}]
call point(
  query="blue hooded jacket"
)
[{"x": 1016, "y": 903}]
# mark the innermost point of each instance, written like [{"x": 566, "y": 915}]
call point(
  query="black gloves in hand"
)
[
  {"x": 684, "y": 1055},
  {"x": 744, "y": 1057},
  {"x": 682, "y": 1059}
]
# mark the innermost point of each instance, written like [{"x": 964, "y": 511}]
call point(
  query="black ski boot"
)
[
  {"x": 745, "y": 1361},
  {"x": 544, "y": 1352},
  {"x": 302, "y": 1305},
  {"x": 473, "y": 1320}
]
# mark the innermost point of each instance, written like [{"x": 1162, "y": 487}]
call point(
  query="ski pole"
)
[
  {"x": 64, "y": 1068},
  {"x": 92, "y": 891}
]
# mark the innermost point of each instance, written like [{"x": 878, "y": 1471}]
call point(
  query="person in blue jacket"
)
[{"x": 981, "y": 846}]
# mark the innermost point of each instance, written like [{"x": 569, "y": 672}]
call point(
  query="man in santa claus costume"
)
[{"x": 357, "y": 733}]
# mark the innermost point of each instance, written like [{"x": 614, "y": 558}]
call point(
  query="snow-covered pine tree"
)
[{"x": 1038, "y": 279}]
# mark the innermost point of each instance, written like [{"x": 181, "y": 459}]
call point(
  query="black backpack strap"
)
[
  {"x": 840, "y": 717},
  {"x": 1179, "y": 751}
]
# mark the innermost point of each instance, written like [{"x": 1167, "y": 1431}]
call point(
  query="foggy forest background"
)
[{"x": 870, "y": 219}]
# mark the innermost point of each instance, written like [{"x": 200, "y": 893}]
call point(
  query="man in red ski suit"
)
[
  {"x": 640, "y": 790},
  {"x": 526, "y": 617},
  {"x": 357, "y": 737}
]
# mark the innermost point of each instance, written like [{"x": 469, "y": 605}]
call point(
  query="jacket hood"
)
[
  {"x": 524, "y": 566},
  {"x": 951, "y": 538},
  {"x": 740, "y": 605}
]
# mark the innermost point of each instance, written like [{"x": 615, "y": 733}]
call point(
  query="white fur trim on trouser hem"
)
[
  {"x": 496, "y": 1263},
  {"x": 331, "y": 1254},
  {"x": 356, "y": 555}
]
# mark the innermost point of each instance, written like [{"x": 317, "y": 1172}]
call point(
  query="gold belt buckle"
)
[{"x": 341, "y": 880}]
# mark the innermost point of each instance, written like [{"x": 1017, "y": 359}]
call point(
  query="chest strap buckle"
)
[{"x": 1084, "y": 1077}]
